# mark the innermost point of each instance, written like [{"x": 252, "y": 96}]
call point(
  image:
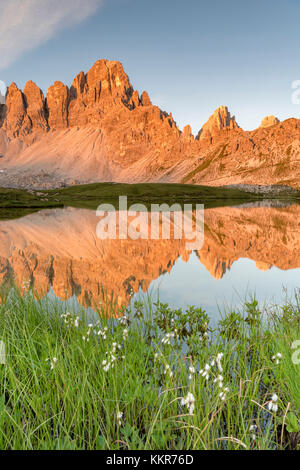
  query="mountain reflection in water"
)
[{"x": 59, "y": 249}]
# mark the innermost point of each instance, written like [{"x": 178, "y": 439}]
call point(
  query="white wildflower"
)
[
  {"x": 102, "y": 333},
  {"x": 192, "y": 371},
  {"x": 119, "y": 417},
  {"x": 218, "y": 361},
  {"x": 167, "y": 338},
  {"x": 220, "y": 380},
  {"x": 223, "y": 394},
  {"x": 277, "y": 358},
  {"x": 52, "y": 362},
  {"x": 205, "y": 372},
  {"x": 124, "y": 320},
  {"x": 272, "y": 405},
  {"x": 106, "y": 366},
  {"x": 252, "y": 430},
  {"x": 189, "y": 402},
  {"x": 168, "y": 371}
]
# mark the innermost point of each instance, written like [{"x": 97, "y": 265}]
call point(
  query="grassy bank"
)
[
  {"x": 155, "y": 380},
  {"x": 15, "y": 202}
]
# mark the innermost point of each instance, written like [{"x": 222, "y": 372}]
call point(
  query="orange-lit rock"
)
[
  {"x": 16, "y": 123},
  {"x": 35, "y": 107},
  {"x": 101, "y": 129},
  {"x": 58, "y": 103},
  {"x": 269, "y": 121},
  {"x": 220, "y": 120}
]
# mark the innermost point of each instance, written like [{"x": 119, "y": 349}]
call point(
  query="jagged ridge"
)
[{"x": 101, "y": 129}]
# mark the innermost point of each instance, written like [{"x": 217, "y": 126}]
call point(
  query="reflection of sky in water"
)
[{"x": 191, "y": 284}]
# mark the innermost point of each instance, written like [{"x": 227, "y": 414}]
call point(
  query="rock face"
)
[
  {"x": 35, "y": 106},
  {"x": 2, "y": 99},
  {"x": 58, "y": 103},
  {"x": 221, "y": 119},
  {"x": 113, "y": 127},
  {"x": 25, "y": 112},
  {"x": 92, "y": 95},
  {"x": 145, "y": 100},
  {"x": 187, "y": 133},
  {"x": 16, "y": 123},
  {"x": 264, "y": 156},
  {"x": 269, "y": 121},
  {"x": 103, "y": 98},
  {"x": 101, "y": 129},
  {"x": 2, "y": 114}
]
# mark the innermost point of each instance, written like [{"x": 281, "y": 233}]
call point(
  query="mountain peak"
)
[
  {"x": 101, "y": 129},
  {"x": 269, "y": 121},
  {"x": 219, "y": 120}
]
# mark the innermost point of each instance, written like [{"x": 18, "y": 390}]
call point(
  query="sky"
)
[{"x": 190, "y": 55}]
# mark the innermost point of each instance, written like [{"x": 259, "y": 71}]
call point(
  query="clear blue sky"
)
[{"x": 190, "y": 55}]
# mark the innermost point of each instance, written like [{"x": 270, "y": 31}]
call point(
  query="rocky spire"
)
[
  {"x": 35, "y": 106},
  {"x": 219, "y": 120},
  {"x": 145, "y": 99},
  {"x": 187, "y": 133},
  {"x": 16, "y": 120},
  {"x": 269, "y": 121},
  {"x": 57, "y": 103}
]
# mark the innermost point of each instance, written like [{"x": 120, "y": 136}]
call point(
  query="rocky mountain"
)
[
  {"x": 269, "y": 121},
  {"x": 101, "y": 129},
  {"x": 220, "y": 120},
  {"x": 264, "y": 156}
]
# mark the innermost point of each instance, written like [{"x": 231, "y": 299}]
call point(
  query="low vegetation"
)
[
  {"x": 16, "y": 202},
  {"x": 149, "y": 378}
]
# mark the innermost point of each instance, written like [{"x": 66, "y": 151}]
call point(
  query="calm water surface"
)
[{"x": 247, "y": 251}]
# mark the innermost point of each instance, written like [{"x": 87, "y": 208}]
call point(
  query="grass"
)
[
  {"x": 17, "y": 203},
  {"x": 92, "y": 195},
  {"x": 57, "y": 393},
  {"x": 218, "y": 154}
]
